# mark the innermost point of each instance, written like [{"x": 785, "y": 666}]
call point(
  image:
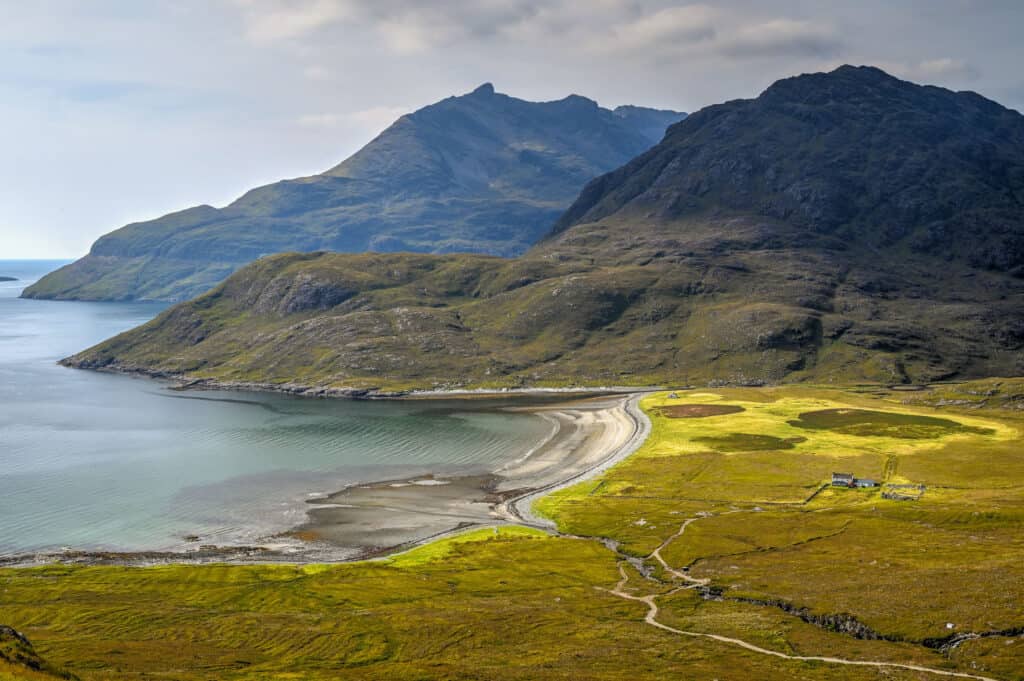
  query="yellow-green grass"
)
[
  {"x": 901, "y": 570},
  {"x": 676, "y": 471},
  {"x": 518, "y": 604},
  {"x": 512, "y": 606},
  {"x": 19, "y": 672},
  {"x": 779, "y": 534},
  {"x": 776, "y": 630}
]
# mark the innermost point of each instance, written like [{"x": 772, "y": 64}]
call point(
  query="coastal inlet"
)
[{"x": 99, "y": 462}]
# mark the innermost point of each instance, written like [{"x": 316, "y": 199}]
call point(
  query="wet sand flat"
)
[{"x": 381, "y": 517}]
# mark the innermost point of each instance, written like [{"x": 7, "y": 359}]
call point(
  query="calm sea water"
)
[{"x": 89, "y": 460}]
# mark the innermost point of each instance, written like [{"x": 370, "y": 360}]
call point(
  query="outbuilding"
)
[{"x": 842, "y": 479}]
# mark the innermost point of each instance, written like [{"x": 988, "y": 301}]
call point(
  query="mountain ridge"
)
[
  {"x": 871, "y": 236},
  {"x": 481, "y": 172},
  {"x": 847, "y": 193}
]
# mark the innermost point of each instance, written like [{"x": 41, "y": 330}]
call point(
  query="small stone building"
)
[
  {"x": 848, "y": 480},
  {"x": 842, "y": 479}
]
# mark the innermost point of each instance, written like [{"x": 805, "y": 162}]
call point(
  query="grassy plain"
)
[
  {"x": 779, "y": 539},
  {"x": 793, "y": 567}
]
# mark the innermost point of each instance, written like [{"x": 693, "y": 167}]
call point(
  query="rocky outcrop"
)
[
  {"x": 842, "y": 623},
  {"x": 17, "y": 653}
]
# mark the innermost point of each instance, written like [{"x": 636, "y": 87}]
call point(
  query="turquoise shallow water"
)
[{"x": 90, "y": 460}]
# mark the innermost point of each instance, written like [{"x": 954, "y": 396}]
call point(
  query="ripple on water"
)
[{"x": 96, "y": 460}]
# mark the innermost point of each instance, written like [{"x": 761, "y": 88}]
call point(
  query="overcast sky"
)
[{"x": 117, "y": 110}]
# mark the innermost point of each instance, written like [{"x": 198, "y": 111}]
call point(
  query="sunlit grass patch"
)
[
  {"x": 774, "y": 629},
  {"x": 444, "y": 548},
  {"x": 777, "y": 530},
  {"x": 487, "y": 602},
  {"x": 902, "y": 569},
  {"x": 737, "y": 533},
  {"x": 697, "y": 411}
]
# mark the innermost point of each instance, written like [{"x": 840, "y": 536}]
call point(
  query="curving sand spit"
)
[{"x": 587, "y": 436}]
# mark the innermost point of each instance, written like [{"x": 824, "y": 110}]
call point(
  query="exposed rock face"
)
[
  {"x": 853, "y": 157},
  {"x": 480, "y": 173},
  {"x": 17, "y": 657},
  {"x": 780, "y": 238}
]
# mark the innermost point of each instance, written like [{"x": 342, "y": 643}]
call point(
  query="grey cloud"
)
[
  {"x": 936, "y": 70},
  {"x": 782, "y": 37},
  {"x": 654, "y": 30},
  {"x": 402, "y": 22},
  {"x": 947, "y": 67}
]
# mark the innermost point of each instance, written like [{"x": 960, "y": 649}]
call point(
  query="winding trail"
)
[
  {"x": 519, "y": 510},
  {"x": 651, "y": 618},
  {"x": 678, "y": 574}
]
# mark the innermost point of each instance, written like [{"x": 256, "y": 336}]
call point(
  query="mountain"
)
[
  {"x": 853, "y": 155},
  {"x": 481, "y": 173},
  {"x": 841, "y": 227}
]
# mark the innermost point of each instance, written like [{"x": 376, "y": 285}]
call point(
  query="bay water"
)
[{"x": 98, "y": 461}]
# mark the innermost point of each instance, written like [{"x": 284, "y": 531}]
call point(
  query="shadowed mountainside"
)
[
  {"x": 846, "y": 227},
  {"x": 482, "y": 173}
]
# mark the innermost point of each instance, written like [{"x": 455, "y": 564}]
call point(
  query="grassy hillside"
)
[
  {"x": 841, "y": 227},
  {"x": 842, "y": 573},
  {"x": 574, "y": 313},
  {"x": 482, "y": 173}
]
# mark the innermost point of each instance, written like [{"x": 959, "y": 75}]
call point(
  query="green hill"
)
[
  {"x": 846, "y": 226},
  {"x": 482, "y": 173}
]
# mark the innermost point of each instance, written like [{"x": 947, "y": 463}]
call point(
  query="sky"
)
[{"x": 113, "y": 111}]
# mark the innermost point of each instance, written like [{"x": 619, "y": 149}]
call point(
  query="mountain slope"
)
[
  {"x": 841, "y": 227},
  {"x": 855, "y": 154},
  {"x": 483, "y": 173}
]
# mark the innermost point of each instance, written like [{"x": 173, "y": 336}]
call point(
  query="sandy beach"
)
[{"x": 587, "y": 435}]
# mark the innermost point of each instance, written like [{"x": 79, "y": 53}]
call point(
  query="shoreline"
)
[
  {"x": 522, "y": 507},
  {"x": 183, "y": 383},
  {"x": 382, "y": 518}
]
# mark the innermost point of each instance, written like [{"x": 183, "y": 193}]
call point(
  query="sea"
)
[{"x": 94, "y": 461}]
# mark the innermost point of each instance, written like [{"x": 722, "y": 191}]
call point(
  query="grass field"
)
[
  {"x": 792, "y": 566},
  {"x": 779, "y": 539}
]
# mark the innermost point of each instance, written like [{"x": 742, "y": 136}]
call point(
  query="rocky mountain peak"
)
[
  {"x": 843, "y": 83},
  {"x": 855, "y": 156},
  {"x": 479, "y": 172}
]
